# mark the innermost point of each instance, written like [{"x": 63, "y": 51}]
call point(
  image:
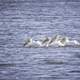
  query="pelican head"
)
[
  {"x": 56, "y": 38},
  {"x": 52, "y": 39},
  {"x": 45, "y": 39},
  {"x": 64, "y": 40},
  {"x": 28, "y": 41}
]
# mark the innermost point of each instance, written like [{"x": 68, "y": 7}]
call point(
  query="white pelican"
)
[
  {"x": 63, "y": 41},
  {"x": 36, "y": 43},
  {"x": 44, "y": 41},
  {"x": 73, "y": 42},
  {"x": 28, "y": 42},
  {"x": 66, "y": 41},
  {"x": 55, "y": 41}
]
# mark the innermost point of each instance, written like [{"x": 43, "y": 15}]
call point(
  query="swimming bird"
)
[
  {"x": 63, "y": 41},
  {"x": 55, "y": 40},
  {"x": 76, "y": 42},
  {"x": 28, "y": 42},
  {"x": 36, "y": 43},
  {"x": 66, "y": 41},
  {"x": 44, "y": 41},
  {"x": 31, "y": 43},
  {"x": 73, "y": 43}
]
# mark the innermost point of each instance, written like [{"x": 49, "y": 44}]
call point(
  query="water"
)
[{"x": 22, "y": 18}]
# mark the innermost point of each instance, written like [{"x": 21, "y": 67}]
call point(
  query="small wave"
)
[
  {"x": 55, "y": 41},
  {"x": 7, "y": 65},
  {"x": 74, "y": 71},
  {"x": 55, "y": 62}
]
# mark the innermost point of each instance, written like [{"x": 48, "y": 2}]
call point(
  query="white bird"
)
[
  {"x": 44, "y": 42},
  {"x": 36, "y": 43},
  {"x": 63, "y": 41},
  {"x": 66, "y": 41},
  {"x": 73, "y": 43},
  {"x": 28, "y": 42},
  {"x": 56, "y": 41}
]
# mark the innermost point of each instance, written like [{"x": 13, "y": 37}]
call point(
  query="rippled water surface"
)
[{"x": 22, "y": 18}]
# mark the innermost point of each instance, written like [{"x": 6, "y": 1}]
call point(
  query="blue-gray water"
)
[{"x": 22, "y": 18}]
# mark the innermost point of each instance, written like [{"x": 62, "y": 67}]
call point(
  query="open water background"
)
[{"x": 22, "y": 18}]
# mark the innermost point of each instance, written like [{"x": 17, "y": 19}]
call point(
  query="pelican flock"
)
[{"x": 57, "y": 40}]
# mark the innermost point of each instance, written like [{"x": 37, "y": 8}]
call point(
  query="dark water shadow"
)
[
  {"x": 7, "y": 65},
  {"x": 74, "y": 71},
  {"x": 55, "y": 62}
]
